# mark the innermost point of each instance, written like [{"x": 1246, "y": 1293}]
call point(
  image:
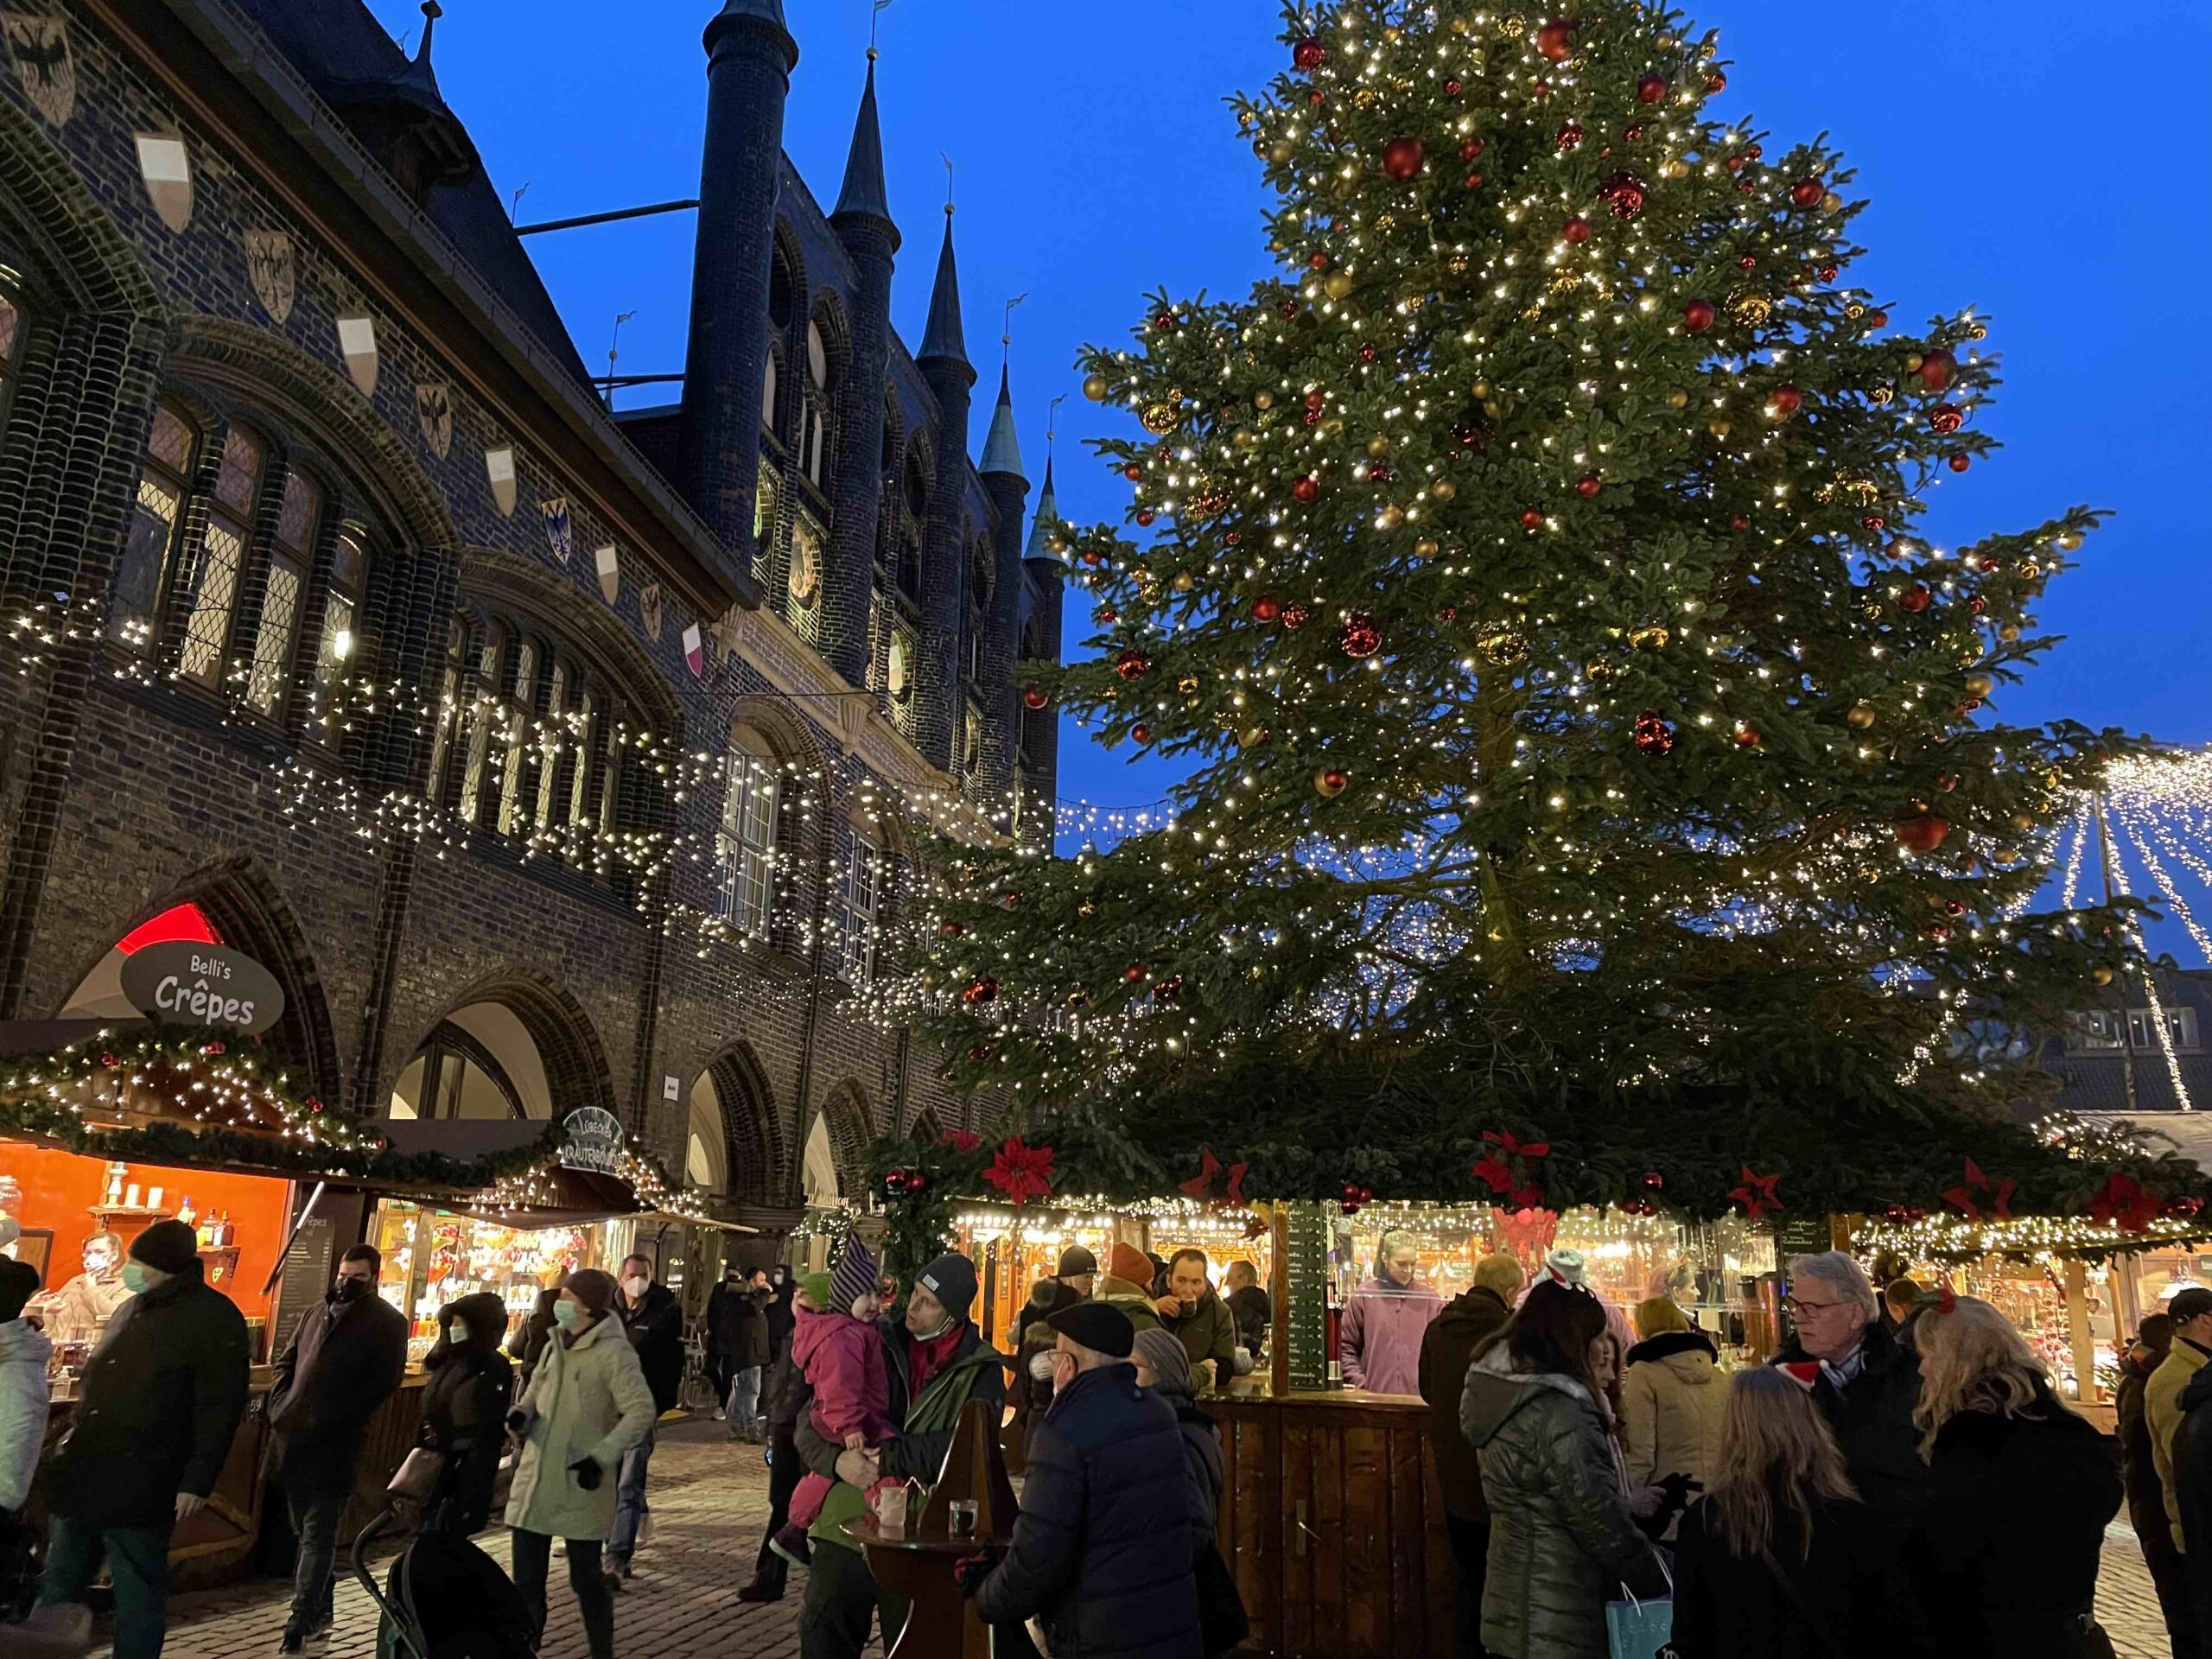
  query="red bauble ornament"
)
[
  {"x": 1955, "y": 907},
  {"x": 1307, "y": 488},
  {"x": 1532, "y": 518},
  {"x": 1807, "y": 192},
  {"x": 1653, "y": 1180},
  {"x": 950, "y": 929},
  {"x": 1145, "y": 516},
  {"x": 1915, "y": 599},
  {"x": 1295, "y": 615},
  {"x": 1959, "y": 462},
  {"x": 1946, "y": 418},
  {"x": 1403, "y": 157},
  {"x": 1938, "y": 932},
  {"x": 1133, "y": 472},
  {"x": 1360, "y": 636},
  {"x": 1105, "y": 616},
  {"x": 1624, "y": 193},
  {"x": 1032, "y": 697},
  {"x": 1367, "y": 354},
  {"x": 1165, "y": 323},
  {"x": 1135, "y": 972},
  {"x": 1555, "y": 40},
  {"x": 1921, "y": 832},
  {"x": 1318, "y": 261},
  {"x": 1540, "y": 89},
  {"x": 1568, "y": 136},
  {"x": 1576, "y": 229},
  {"x": 1169, "y": 990},
  {"x": 1697, "y": 316},
  {"x": 1653, "y": 735},
  {"x": 1379, "y": 471},
  {"x": 1469, "y": 151},
  {"x": 1131, "y": 665},
  {"x": 1308, "y": 54},
  {"x": 1332, "y": 781},
  {"x": 1784, "y": 402},
  {"x": 1267, "y": 607},
  {"x": 1472, "y": 181},
  {"x": 1748, "y": 261},
  {"x": 111, "y": 1060},
  {"x": 1739, "y": 523},
  {"x": 1141, "y": 733},
  {"x": 981, "y": 989},
  {"x": 1451, "y": 86},
  {"x": 1588, "y": 485},
  {"x": 1652, "y": 88},
  {"x": 1716, "y": 81},
  {"x": 1747, "y": 737},
  {"x": 1937, "y": 369}
]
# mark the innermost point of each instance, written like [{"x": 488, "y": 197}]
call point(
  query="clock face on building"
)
[
  {"x": 897, "y": 675},
  {"x": 806, "y": 568}
]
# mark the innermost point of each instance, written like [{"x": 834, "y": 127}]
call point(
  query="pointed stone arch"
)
[
  {"x": 851, "y": 1124},
  {"x": 571, "y": 1061},
  {"x": 751, "y": 1143}
]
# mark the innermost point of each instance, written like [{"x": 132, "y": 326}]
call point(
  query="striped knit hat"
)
[{"x": 854, "y": 1277}]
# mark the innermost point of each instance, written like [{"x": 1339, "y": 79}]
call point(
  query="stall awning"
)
[{"x": 555, "y": 1196}]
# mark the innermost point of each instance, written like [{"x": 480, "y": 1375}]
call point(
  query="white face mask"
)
[
  {"x": 637, "y": 1284},
  {"x": 456, "y": 1334}
]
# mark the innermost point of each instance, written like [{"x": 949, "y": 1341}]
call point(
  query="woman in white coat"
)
[{"x": 587, "y": 1404}]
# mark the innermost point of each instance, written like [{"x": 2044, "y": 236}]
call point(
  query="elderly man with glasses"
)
[{"x": 1866, "y": 1383}]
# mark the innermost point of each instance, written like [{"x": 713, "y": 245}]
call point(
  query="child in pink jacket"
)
[{"x": 836, "y": 1346}]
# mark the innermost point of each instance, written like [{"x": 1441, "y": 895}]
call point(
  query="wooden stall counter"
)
[{"x": 1332, "y": 1522}]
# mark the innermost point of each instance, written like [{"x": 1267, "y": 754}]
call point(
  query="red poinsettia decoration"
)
[
  {"x": 2124, "y": 1199},
  {"x": 1505, "y": 1169},
  {"x": 1756, "y": 1194},
  {"x": 1022, "y": 1173},
  {"x": 1210, "y": 1169},
  {"x": 1963, "y": 1197},
  {"x": 960, "y": 1140}
]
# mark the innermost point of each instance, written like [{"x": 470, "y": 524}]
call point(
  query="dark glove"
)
[
  {"x": 517, "y": 1421},
  {"x": 970, "y": 1570},
  {"x": 587, "y": 1473}
]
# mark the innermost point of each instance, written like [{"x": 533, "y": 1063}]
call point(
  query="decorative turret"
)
[
  {"x": 750, "y": 56},
  {"x": 951, "y": 379},
  {"x": 1008, "y": 488},
  {"x": 403, "y": 119},
  {"x": 1038, "y": 750}
]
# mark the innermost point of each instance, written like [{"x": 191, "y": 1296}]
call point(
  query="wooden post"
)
[
  {"x": 2078, "y": 1333},
  {"x": 1278, "y": 1298}
]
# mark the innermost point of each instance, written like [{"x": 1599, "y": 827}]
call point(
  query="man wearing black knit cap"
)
[
  {"x": 1098, "y": 1558},
  {"x": 161, "y": 1397},
  {"x": 935, "y": 1362}
]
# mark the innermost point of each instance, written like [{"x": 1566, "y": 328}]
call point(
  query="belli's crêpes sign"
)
[{"x": 185, "y": 982}]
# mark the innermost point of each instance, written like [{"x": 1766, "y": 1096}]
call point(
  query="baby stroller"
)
[{"x": 444, "y": 1598}]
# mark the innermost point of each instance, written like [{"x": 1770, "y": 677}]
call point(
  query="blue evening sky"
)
[{"x": 2049, "y": 169}]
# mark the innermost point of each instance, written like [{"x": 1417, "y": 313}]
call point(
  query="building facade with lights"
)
[{"x": 551, "y": 758}]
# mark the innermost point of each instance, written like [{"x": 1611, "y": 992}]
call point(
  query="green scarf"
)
[{"x": 937, "y": 1409}]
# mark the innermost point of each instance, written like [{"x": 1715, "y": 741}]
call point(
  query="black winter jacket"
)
[
  {"x": 344, "y": 1360},
  {"x": 1872, "y": 1420},
  {"x": 1447, "y": 1348},
  {"x": 1253, "y": 1313},
  {"x": 465, "y": 1404},
  {"x": 1110, "y": 1526},
  {"x": 2139, "y": 1471},
  {"x": 2192, "y": 1465},
  {"x": 1729, "y": 1606},
  {"x": 162, "y": 1397},
  {"x": 737, "y": 1327},
  {"x": 656, "y": 1328},
  {"x": 2005, "y": 1555}
]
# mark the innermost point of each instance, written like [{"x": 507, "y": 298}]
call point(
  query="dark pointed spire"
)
[
  {"x": 417, "y": 73},
  {"x": 760, "y": 17},
  {"x": 1001, "y": 450},
  {"x": 863, "y": 191},
  {"x": 1046, "y": 520},
  {"x": 943, "y": 335}
]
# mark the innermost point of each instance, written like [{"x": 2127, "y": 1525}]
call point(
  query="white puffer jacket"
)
[{"x": 23, "y": 1394}]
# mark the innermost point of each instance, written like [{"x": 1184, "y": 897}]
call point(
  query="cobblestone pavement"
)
[{"x": 709, "y": 1499}]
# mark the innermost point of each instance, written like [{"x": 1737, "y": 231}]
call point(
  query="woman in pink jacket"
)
[{"x": 1379, "y": 1340}]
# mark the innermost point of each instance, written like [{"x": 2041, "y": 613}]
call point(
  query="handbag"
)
[
  {"x": 418, "y": 1476},
  {"x": 1640, "y": 1630}
]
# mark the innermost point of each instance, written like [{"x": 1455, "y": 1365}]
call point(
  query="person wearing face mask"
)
[
  {"x": 345, "y": 1359},
  {"x": 587, "y": 1408},
  {"x": 934, "y": 1362},
  {"x": 737, "y": 1346},
  {"x": 159, "y": 1400},
  {"x": 79, "y": 1311},
  {"x": 464, "y": 1410},
  {"x": 654, "y": 1319}
]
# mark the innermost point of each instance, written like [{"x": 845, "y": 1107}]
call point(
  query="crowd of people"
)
[{"x": 1901, "y": 1477}]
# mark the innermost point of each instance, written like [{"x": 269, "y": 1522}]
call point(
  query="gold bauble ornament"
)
[
  {"x": 1871, "y": 611},
  {"x": 1160, "y": 418},
  {"x": 1391, "y": 516},
  {"x": 1510, "y": 25},
  {"x": 1425, "y": 549},
  {"x": 1601, "y": 671},
  {"x": 1673, "y": 169},
  {"x": 2029, "y": 570},
  {"x": 2101, "y": 975},
  {"x": 1481, "y": 388},
  {"x": 1855, "y": 310},
  {"x": 1718, "y": 429},
  {"x": 1979, "y": 331},
  {"x": 1328, "y": 782},
  {"x": 1751, "y": 310},
  {"x": 1251, "y": 737},
  {"x": 1337, "y": 285},
  {"x": 1444, "y": 489},
  {"x": 2023, "y": 820},
  {"x": 1365, "y": 98},
  {"x": 1280, "y": 152},
  {"x": 1263, "y": 400},
  {"x": 1505, "y": 647},
  {"x": 1912, "y": 362},
  {"x": 1653, "y": 636},
  {"x": 1095, "y": 388},
  {"x": 1979, "y": 686},
  {"x": 1185, "y": 581},
  {"x": 1880, "y": 396},
  {"x": 1241, "y": 438},
  {"x": 2009, "y": 631},
  {"x": 1860, "y": 715},
  {"x": 1492, "y": 408},
  {"x": 2071, "y": 541},
  {"x": 1188, "y": 685},
  {"x": 1378, "y": 448},
  {"x": 1457, "y": 265},
  {"x": 1678, "y": 398},
  {"x": 1413, "y": 302},
  {"x": 1830, "y": 202}
]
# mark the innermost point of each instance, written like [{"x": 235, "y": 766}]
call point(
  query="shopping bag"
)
[{"x": 1639, "y": 1629}]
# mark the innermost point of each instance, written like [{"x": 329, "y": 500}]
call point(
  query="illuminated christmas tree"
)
[{"x": 1584, "y": 736}]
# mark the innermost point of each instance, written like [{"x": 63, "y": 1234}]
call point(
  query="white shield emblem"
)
[
  {"x": 357, "y": 340},
  {"x": 166, "y": 166},
  {"x": 500, "y": 467},
  {"x": 40, "y": 49},
  {"x": 610, "y": 572},
  {"x": 649, "y": 610},
  {"x": 269, "y": 261},
  {"x": 695, "y": 650},
  {"x": 559, "y": 531},
  {"x": 434, "y": 408}
]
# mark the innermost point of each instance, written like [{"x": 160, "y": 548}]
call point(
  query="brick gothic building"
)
[{"x": 550, "y": 758}]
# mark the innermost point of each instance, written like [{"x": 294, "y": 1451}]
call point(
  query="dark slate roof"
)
[
  {"x": 335, "y": 44},
  {"x": 944, "y": 336}
]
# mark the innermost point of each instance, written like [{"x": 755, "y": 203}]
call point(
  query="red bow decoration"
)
[
  {"x": 1493, "y": 1170},
  {"x": 1022, "y": 1173},
  {"x": 960, "y": 1140},
  {"x": 1209, "y": 1167},
  {"x": 1756, "y": 1194},
  {"x": 1962, "y": 1200},
  {"x": 2122, "y": 1198}
]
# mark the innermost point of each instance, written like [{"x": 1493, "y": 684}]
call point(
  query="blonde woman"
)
[
  {"x": 2020, "y": 1490},
  {"x": 1780, "y": 1560},
  {"x": 1672, "y": 1397}
]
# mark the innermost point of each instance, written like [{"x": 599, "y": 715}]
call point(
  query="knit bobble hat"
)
[
  {"x": 167, "y": 1247},
  {"x": 855, "y": 1277}
]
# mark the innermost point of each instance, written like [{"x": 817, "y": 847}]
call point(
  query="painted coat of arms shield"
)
[
  {"x": 38, "y": 47},
  {"x": 269, "y": 261}
]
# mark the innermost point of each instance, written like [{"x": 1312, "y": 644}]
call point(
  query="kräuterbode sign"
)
[
  {"x": 591, "y": 1138},
  {"x": 180, "y": 982}
]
